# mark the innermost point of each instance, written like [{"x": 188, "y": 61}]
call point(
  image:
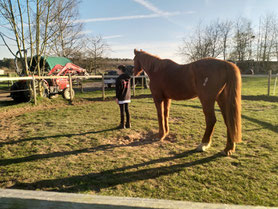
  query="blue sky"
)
[{"x": 158, "y": 26}]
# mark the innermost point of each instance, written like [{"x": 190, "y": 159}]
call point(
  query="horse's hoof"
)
[
  {"x": 161, "y": 138},
  {"x": 203, "y": 147},
  {"x": 157, "y": 139},
  {"x": 227, "y": 153}
]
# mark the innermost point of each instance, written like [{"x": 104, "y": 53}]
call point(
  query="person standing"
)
[{"x": 123, "y": 95}]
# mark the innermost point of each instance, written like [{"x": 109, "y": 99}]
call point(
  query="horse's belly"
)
[
  {"x": 180, "y": 94},
  {"x": 175, "y": 90}
]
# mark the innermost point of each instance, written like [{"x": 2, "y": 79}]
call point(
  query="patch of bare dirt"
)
[
  {"x": 9, "y": 129},
  {"x": 21, "y": 110},
  {"x": 138, "y": 138}
]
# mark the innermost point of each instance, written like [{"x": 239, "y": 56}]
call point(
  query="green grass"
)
[{"x": 75, "y": 148}]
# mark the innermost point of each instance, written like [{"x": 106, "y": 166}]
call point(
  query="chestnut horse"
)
[{"x": 209, "y": 79}]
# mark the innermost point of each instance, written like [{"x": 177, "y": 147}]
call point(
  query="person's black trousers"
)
[{"x": 124, "y": 110}]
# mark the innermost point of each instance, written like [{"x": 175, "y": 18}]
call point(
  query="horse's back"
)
[
  {"x": 211, "y": 64},
  {"x": 202, "y": 77},
  {"x": 211, "y": 75}
]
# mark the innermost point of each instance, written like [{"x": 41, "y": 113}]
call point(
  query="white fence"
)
[
  {"x": 103, "y": 77},
  {"x": 70, "y": 78}
]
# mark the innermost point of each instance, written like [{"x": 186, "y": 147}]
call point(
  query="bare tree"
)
[
  {"x": 67, "y": 39},
  {"x": 196, "y": 46},
  {"x": 33, "y": 23},
  {"x": 23, "y": 19},
  {"x": 225, "y": 29},
  {"x": 243, "y": 37},
  {"x": 206, "y": 41},
  {"x": 276, "y": 40},
  {"x": 96, "y": 48},
  {"x": 267, "y": 37},
  {"x": 212, "y": 34}
]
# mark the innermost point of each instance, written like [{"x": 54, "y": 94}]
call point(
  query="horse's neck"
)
[{"x": 149, "y": 63}]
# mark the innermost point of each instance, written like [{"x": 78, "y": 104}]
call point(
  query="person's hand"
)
[{"x": 117, "y": 101}]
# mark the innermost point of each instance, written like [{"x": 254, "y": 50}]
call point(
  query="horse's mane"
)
[
  {"x": 153, "y": 62},
  {"x": 146, "y": 53},
  {"x": 155, "y": 57}
]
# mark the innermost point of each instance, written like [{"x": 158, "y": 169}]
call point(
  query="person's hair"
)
[{"x": 122, "y": 68}]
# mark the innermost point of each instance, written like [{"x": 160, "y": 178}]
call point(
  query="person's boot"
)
[
  {"x": 128, "y": 125},
  {"x": 121, "y": 126}
]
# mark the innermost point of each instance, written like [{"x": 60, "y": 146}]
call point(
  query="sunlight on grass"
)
[{"x": 76, "y": 148}]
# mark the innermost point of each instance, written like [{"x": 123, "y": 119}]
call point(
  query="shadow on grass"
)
[
  {"x": 55, "y": 136},
  {"x": 260, "y": 98},
  {"x": 22, "y": 203},
  {"x": 142, "y": 96},
  {"x": 118, "y": 176},
  {"x": 110, "y": 98},
  {"x": 263, "y": 124},
  {"x": 5, "y": 162},
  {"x": 7, "y": 103}
]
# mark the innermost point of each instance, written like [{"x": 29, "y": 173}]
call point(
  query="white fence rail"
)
[
  {"x": 70, "y": 78},
  {"x": 103, "y": 77}
]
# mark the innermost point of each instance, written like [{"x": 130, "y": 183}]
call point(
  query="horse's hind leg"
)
[
  {"x": 160, "y": 115},
  {"x": 167, "y": 104},
  {"x": 208, "y": 109},
  {"x": 230, "y": 146}
]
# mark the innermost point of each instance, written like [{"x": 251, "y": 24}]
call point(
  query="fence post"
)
[
  {"x": 9, "y": 75},
  {"x": 269, "y": 80},
  {"x": 275, "y": 83},
  {"x": 81, "y": 85},
  {"x": 133, "y": 85},
  {"x": 34, "y": 90},
  {"x": 103, "y": 87},
  {"x": 70, "y": 89}
]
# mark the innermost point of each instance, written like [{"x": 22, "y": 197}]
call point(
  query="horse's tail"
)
[{"x": 233, "y": 103}]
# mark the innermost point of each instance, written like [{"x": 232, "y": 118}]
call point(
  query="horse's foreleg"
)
[
  {"x": 160, "y": 115},
  {"x": 167, "y": 104},
  {"x": 208, "y": 109}
]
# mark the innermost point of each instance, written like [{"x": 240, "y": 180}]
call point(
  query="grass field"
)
[{"x": 55, "y": 146}]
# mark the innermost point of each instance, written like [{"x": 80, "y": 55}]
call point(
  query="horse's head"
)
[{"x": 137, "y": 65}]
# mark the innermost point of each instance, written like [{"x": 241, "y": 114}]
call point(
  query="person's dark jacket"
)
[{"x": 123, "y": 87}]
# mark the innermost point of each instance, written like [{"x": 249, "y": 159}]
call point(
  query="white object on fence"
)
[{"x": 275, "y": 82}]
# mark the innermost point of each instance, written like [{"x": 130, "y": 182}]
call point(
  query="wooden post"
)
[
  {"x": 9, "y": 75},
  {"x": 269, "y": 80},
  {"x": 133, "y": 87},
  {"x": 142, "y": 83},
  {"x": 81, "y": 85},
  {"x": 70, "y": 88},
  {"x": 103, "y": 87},
  {"x": 34, "y": 90}
]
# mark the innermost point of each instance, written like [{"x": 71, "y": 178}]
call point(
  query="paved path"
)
[{"x": 25, "y": 199}]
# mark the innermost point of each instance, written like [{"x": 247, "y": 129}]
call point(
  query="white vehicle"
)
[{"x": 111, "y": 81}]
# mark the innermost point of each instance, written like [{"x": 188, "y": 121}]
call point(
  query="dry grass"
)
[{"x": 76, "y": 148}]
